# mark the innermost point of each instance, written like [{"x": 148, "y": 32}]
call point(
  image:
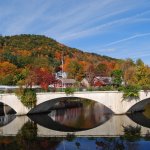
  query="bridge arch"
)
[
  {"x": 51, "y": 104},
  {"x": 110, "y": 99},
  {"x": 137, "y": 104},
  {"x": 140, "y": 105}
]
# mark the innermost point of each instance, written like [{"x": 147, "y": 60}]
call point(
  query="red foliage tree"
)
[{"x": 44, "y": 78}]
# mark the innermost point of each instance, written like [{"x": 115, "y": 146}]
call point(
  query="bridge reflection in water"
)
[
  {"x": 54, "y": 124},
  {"x": 88, "y": 116},
  {"x": 113, "y": 127}
]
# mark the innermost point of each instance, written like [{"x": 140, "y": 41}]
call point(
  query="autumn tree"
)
[
  {"x": 7, "y": 73},
  {"x": 40, "y": 62},
  {"x": 90, "y": 73},
  {"x": 127, "y": 64},
  {"x": 101, "y": 69},
  {"x": 143, "y": 75},
  {"x": 139, "y": 62},
  {"x": 39, "y": 76},
  {"x": 75, "y": 70},
  {"x": 58, "y": 55},
  {"x": 128, "y": 67},
  {"x": 44, "y": 78},
  {"x": 67, "y": 62},
  {"x": 117, "y": 77},
  {"x": 130, "y": 76}
]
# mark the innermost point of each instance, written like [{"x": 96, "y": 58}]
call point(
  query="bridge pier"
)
[{"x": 13, "y": 101}]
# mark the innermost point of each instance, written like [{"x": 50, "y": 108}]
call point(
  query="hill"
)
[{"x": 19, "y": 54}]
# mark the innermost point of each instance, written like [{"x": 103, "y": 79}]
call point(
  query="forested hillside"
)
[
  {"x": 33, "y": 59},
  {"x": 23, "y": 55}
]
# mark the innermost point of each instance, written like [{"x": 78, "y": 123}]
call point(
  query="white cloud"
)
[
  {"x": 128, "y": 38},
  {"x": 82, "y": 16},
  {"x": 67, "y": 19},
  {"x": 21, "y": 14},
  {"x": 71, "y": 34}
]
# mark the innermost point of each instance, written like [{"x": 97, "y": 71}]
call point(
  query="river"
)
[{"x": 90, "y": 126}]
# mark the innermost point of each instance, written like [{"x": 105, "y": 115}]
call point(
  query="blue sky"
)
[{"x": 116, "y": 28}]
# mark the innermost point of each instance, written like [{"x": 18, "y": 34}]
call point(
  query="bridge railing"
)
[{"x": 11, "y": 89}]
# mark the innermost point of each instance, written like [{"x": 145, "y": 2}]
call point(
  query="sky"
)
[{"x": 115, "y": 28}]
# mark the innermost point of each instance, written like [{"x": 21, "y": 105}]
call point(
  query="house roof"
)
[
  {"x": 105, "y": 80},
  {"x": 68, "y": 81}
]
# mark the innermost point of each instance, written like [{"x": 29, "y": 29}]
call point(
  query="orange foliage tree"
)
[
  {"x": 7, "y": 72},
  {"x": 40, "y": 76}
]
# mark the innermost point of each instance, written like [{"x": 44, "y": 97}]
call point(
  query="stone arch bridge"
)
[{"x": 111, "y": 99}]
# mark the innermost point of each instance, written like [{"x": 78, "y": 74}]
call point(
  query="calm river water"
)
[{"x": 90, "y": 126}]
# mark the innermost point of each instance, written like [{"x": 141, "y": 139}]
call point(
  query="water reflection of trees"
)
[
  {"x": 68, "y": 142},
  {"x": 27, "y": 139},
  {"x": 132, "y": 133},
  {"x": 130, "y": 139},
  {"x": 27, "y": 135},
  {"x": 147, "y": 136},
  {"x": 114, "y": 144},
  {"x": 88, "y": 116}
]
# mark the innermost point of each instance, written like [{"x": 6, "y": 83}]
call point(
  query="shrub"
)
[
  {"x": 69, "y": 90},
  {"x": 27, "y": 97},
  {"x": 90, "y": 89},
  {"x": 130, "y": 92},
  {"x": 107, "y": 88}
]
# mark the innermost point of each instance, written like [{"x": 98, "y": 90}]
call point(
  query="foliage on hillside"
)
[
  {"x": 33, "y": 59},
  {"x": 22, "y": 56}
]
